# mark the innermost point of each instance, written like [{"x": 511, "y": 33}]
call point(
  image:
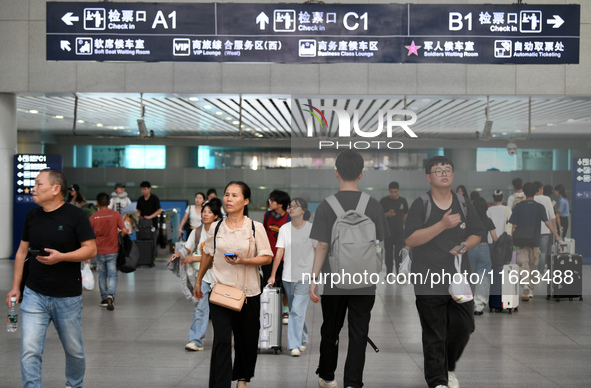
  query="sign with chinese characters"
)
[
  {"x": 580, "y": 205},
  {"x": 26, "y": 169},
  {"x": 313, "y": 33}
]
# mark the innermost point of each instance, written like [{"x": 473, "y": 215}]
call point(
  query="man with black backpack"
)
[
  {"x": 440, "y": 226},
  {"x": 355, "y": 255}
]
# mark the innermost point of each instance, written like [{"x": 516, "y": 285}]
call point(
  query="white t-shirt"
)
[
  {"x": 196, "y": 248},
  {"x": 194, "y": 218},
  {"x": 299, "y": 251},
  {"x": 499, "y": 214},
  {"x": 547, "y": 202}
]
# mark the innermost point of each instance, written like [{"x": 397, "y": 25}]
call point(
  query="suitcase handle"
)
[{"x": 267, "y": 320}]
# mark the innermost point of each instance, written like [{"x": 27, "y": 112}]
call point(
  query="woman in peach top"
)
[{"x": 237, "y": 234}]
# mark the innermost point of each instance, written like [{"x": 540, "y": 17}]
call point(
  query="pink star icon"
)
[{"x": 412, "y": 49}]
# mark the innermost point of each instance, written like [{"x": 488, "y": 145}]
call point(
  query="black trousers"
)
[
  {"x": 447, "y": 326},
  {"x": 392, "y": 246},
  {"x": 334, "y": 309},
  {"x": 245, "y": 326},
  {"x": 564, "y": 224}
]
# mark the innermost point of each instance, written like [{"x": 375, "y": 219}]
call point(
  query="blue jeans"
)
[
  {"x": 480, "y": 263},
  {"x": 66, "y": 313},
  {"x": 200, "y": 317},
  {"x": 297, "y": 298},
  {"x": 107, "y": 268},
  {"x": 546, "y": 241}
]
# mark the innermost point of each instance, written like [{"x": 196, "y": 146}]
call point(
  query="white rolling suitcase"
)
[
  {"x": 271, "y": 319},
  {"x": 504, "y": 294}
]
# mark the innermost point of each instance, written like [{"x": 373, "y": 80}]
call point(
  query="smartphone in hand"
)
[
  {"x": 37, "y": 252},
  {"x": 459, "y": 249},
  {"x": 231, "y": 256}
]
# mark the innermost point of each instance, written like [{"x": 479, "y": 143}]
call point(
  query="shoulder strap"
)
[
  {"x": 463, "y": 205},
  {"x": 215, "y": 234},
  {"x": 254, "y": 232},
  {"x": 362, "y": 204},
  {"x": 335, "y": 205},
  {"x": 426, "y": 205},
  {"x": 267, "y": 215}
]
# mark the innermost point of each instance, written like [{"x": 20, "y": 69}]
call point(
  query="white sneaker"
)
[
  {"x": 303, "y": 348},
  {"x": 192, "y": 347},
  {"x": 295, "y": 352},
  {"x": 452, "y": 380},
  {"x": 442, "y": 386},
  {"x": 525, "y": 297},
  {"x": 327, "y": 384}
]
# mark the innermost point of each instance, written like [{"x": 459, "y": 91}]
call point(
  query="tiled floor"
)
[{"x": 141, "y": 343}]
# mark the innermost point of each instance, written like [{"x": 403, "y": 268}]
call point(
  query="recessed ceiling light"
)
[
  {"x": 193, "y": 99},
  {"x": 570, "y": 120},
  {"x": 426, "y": 100},
  {"x": 99, "y": 125},
  {"x": 235, "y": 122},
  {"x": 59, "y": 117},
  {"x": 207, "y": 106},
  {"x": 550, "y": 124},
  {"x": 80, "y": 121},
  {"x": 504, "y": 133},
  {"x": 414, "y": 108},
  {"x": 259, "y": 134},
  {"x": 532, "y": 128},
  {"x": 518, "y": 130},
  {"x": 219, "y": 113},
  {"x": 33, "y": 111},
  {"x": 228, "y": 118}
]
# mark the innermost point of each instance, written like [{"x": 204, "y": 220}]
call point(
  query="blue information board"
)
[
  {"x": 26, "y": 169},
  {"x": 581, "y": 206}
]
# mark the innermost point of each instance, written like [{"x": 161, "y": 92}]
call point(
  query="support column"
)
[{"x": 8, "y": 142}]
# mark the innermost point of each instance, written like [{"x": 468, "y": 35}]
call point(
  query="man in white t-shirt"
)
[
  {"x": 518, "y": 196},
  {"x": 546, "y": 240}
]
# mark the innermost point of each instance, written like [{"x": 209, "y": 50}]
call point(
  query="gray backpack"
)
[{"x": 355, "y": 249}]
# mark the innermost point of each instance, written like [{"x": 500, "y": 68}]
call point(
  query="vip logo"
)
[{"x": 345, "y": 121}]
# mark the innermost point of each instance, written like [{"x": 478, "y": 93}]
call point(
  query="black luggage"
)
[
  {"x": 145, "y": 229},
  {"x": 127, "y": 259},
  {"x": 146, "y": 252},
  {"x": 565, "y": 277}
]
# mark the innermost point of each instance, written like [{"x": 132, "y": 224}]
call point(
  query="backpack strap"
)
[
  {"x": 427, "y": 205},
  {"x": 362, "y": 204},
  {"x": 335, "y": 205}
]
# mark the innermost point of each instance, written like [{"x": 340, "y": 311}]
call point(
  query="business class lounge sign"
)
[{"x": 313, "y": 33}]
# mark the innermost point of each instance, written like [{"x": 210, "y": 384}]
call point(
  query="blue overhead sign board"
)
[
  {"x": 313, "y": 33},
  {"x": 581, "y": 206}
]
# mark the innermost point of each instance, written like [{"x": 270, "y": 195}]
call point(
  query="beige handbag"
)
[{"x": 227, "y": 296}]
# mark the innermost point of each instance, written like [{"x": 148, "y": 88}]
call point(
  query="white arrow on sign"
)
[
  {"x": 19, "y": 166},
  {"x": 20, "y": 174},
  {"x": 579, "y": 195},
  {"x": 20, "y": 183},
  {"x": 65, "y": 45},
  {"x": 556, "y": 21},
  {"x": 69, "y": 18},
  {"x": 579, "y": 170},
  {"x": 262, "y": 19},
  {"x": 20, "y": 191},
  {"x": 579, "y": 178}
]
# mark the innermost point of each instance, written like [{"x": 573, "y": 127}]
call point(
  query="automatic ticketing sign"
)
[
  {"x": 313, "y": 33},
  {"x": 26, "y": 169},
  {"x": 581, "y": 205}
]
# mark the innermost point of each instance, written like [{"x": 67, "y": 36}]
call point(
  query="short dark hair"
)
[
  {"x": 281, "y": 197},
  {"x": 211, "y": 191},
  {"x": 102, "y": 199},
  {"x": 304, "y": 205},
  {"x": 56, "y": 177},
  {"x": 517, "y": 183},
  {"x": 349, "y": 165},
  {"x": 145, "y": 184},
  {"x": 538, "y": 185},
  {"x": 215, "y": 205},
  {"x": 437, "y": 160},
  {"x": 474, "y": 195},
  {"x": 393, "y": 185},
  {"x": 481, "y": 207},
  {"x": 548, "y": 190},
  {"x": 245, "y": 192},
  {"x": 561, "y": 190},
  {"x": 529, "y": 189},
  {"x": 497, "y": 196}
]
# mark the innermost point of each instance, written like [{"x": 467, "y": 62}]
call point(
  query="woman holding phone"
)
[{"x": 236, "y": 235}]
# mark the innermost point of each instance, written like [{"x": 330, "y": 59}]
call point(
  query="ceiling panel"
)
[{"x": 174, "y": 115}]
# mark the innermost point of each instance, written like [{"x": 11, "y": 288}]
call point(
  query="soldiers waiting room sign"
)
[{"x": 313, "y": 33}]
